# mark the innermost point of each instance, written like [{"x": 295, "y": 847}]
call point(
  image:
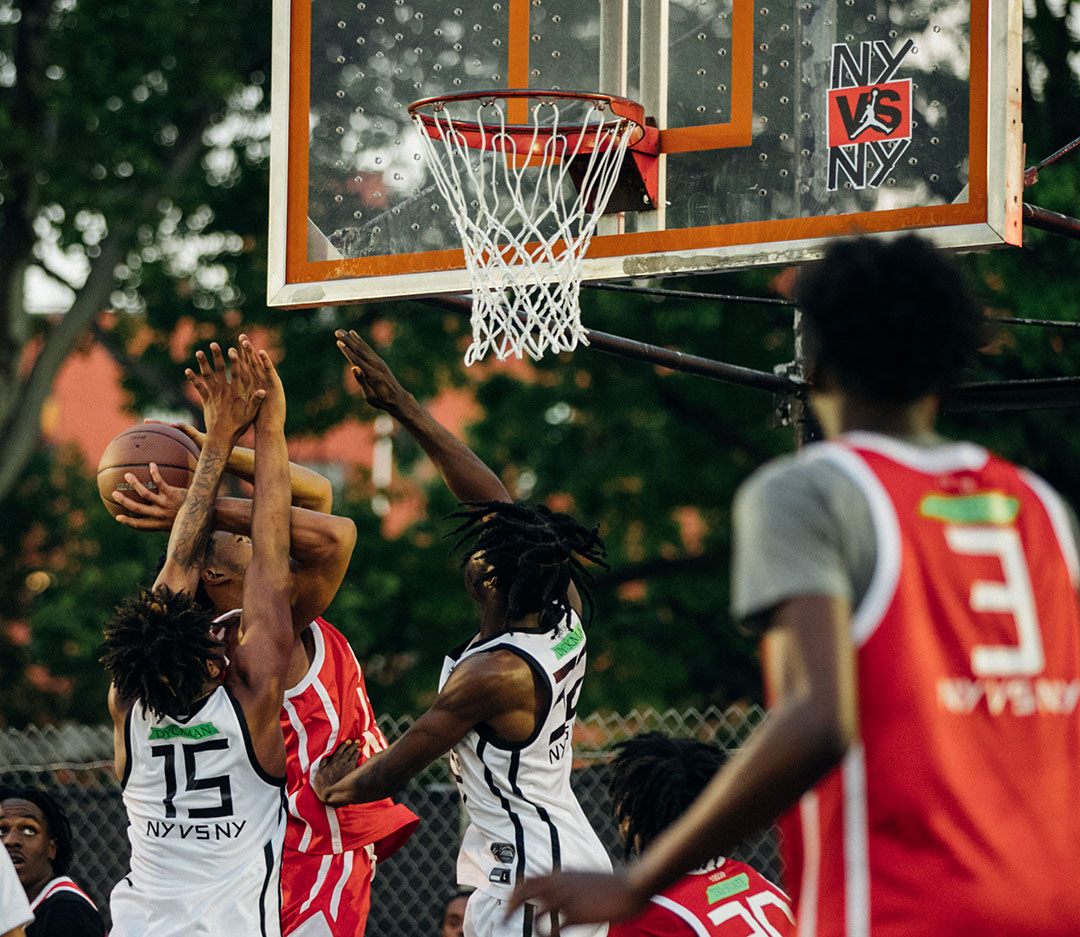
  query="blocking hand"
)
[
  {"x": 266, "y": 378},
  {"x": 377, "y": 382},
  {"x": 229, "y": 406}
]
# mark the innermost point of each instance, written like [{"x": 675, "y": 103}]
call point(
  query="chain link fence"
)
[{"x": 75, "y": 764}]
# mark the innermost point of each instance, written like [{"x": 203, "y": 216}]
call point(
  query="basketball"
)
[{"x": 134, "y": 449}]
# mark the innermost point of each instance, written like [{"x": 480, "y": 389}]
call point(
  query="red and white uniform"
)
[
  {"x": 955, "y": 811},
  {"x": 330, "y": 853},
  {"x": 724, "y": 899},
  {"x": 57, "y": 886}
]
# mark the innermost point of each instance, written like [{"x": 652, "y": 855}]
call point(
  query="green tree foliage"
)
[
  {"x": 132, "y": 144},
  {"x": 650, "y": 455}
]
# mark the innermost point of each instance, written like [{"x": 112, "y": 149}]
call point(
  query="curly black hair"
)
[
  {"x": 654, "y": 779},
  {"x": 156, "y": 649},
  {"x": 892, "y": 320},
  {"x": 535, "y": 554},
  {"x": 56, "y": 821}
]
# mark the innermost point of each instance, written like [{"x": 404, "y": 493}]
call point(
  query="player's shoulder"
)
[{"x": 811, "y": 472}]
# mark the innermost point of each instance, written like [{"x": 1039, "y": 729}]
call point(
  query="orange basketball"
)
[{"x": 133, "y": 451}]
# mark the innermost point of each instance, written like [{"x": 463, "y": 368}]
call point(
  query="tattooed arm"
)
[{"x": 228, "y": 408}]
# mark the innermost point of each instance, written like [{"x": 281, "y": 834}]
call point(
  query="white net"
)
[{"x": 526, "y": 201}]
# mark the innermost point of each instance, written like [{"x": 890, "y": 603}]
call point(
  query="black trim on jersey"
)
[
  {"x": 268, "y": 856},
  {"x": 527, "y": 920},
  {"x": 248, "y": 747},
  {"x": 541, "y": 812},
  {"x": 127, "y": 747},
  {"x": 488, "y": 734},
  {"x": 519, "y": 830}
]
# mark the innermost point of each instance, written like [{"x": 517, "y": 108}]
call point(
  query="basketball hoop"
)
[{"x": 525, "y": 231}]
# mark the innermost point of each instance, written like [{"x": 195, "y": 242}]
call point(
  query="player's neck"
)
[{"x": 840, "y": 413}]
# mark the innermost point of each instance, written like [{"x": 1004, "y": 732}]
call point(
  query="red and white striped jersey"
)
[
  {"x": 329, "y": 705},
  {"x": 954, "y": 812},
  {"x": 724, "y": 899},
  {"x": 57, "y": 886}
]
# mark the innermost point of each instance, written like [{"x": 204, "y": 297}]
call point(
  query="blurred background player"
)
[
  {"x": 453, "y": 915},
  {"x": 922, "y": 644},
  {"x": 507, "y": 696},
  {"x": 37, "y": 836},
  {"x": 330, "y": 854},
  {"x": 654, "y": 779},
  {"x": 14, "y": 908},
  {"x": 198, "y": 741}
]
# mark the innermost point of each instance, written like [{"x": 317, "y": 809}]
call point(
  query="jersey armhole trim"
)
[
  {"x": 881, "y": 589},
  {"x": 248, "y": 746},
  {"x": 1059, "y": 520},
  {"x": 494, "y": 739},
  {"x": 127, "y": 746}
]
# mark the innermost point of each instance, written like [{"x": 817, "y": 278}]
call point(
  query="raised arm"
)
[
  {"x": 322, "y": 544},
  {"x": 465, "y": 474},
  {"x": 228, "y": 408},
  {"x": 310, "y": 489},
  {"x": 260, "y": 662}
]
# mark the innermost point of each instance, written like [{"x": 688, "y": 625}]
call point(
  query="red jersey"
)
[
  {"x": 725, "y": 899},
  {"x": 954, "y": 812},
  {"x": 328, "y": 706}
]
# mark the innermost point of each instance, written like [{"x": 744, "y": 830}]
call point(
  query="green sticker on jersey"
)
[
  {"x": 567, "y": 644},
  {"x": 201, "y": 731},
  {"x": 990, "y": 507},
  {"x": 727, "y": 888}
]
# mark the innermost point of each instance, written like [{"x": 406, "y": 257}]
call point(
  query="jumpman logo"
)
[{"x": 870, "y": 119}]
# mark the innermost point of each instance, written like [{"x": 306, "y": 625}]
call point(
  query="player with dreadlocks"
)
[
  {"x": 197, "y": 737},
  {"x": 507, "y": 696},
  {"x": 654, "y": 779}
]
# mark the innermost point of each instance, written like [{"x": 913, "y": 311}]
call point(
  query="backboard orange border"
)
[{"x": 990, "y": 215}]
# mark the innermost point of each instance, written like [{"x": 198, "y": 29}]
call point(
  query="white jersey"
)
[
  {"x": 206, "y": 825},
  {"x": 524, "y": 819}
]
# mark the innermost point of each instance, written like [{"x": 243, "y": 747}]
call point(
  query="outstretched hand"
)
[
  {"x": 335, "y": 767},
  {"x": 158, "y": 507},
  {"x": 229, "y": 406},
  {"x": 377, "y": 382},
  {"x": 581, "y": 897},
  {"x": 266, "y": 378}
]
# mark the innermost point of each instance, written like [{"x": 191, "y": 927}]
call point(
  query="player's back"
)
[
  {"x": 953, "y": 813},
  {"x": 725, "y": 898},
  {"x": 524, "y": 819},
  {"x": 206, "y": 825}
]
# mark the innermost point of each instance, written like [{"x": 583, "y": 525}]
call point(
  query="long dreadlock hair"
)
[
  {"x": 59, "y": 827},
  {"x": 654, "y": 779},
  {"x": 156, "y": 649},
  {"x": 535, "y": 553}
]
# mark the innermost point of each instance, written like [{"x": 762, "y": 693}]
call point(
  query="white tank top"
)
[
  {"x": 524, "y": 819},
  {"x": 206, "y": 825}
]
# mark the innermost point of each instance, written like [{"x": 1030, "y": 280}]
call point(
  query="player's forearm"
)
[
  {"x": 271, "y": 508},
  {"x": 467, "y": 477},
  {"x": 373, "y": 780},
  {"x": 784, "y": 758},
  {"x": 191, "y": 529},
  {"x": 309, "y": 489},
  {"x": 315, "y": 537}
]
